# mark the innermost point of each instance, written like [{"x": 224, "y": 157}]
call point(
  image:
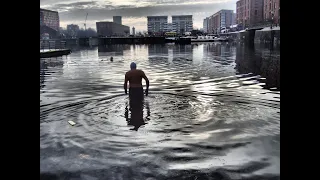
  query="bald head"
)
[{"x": 133, "y": 66}]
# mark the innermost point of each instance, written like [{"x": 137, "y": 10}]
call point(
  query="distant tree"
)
[
  {"x": 196, "y": 32},
  {"x": 86, "y": 33}
]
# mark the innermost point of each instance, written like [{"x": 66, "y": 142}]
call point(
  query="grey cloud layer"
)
[
  {"x": 100, "y": 14},
  {"x": 102, "y": 10}
]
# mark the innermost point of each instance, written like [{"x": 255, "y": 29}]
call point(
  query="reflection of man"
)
[
  {"x": 136, "y": 118},
  {"x": 134, "y": 76}
]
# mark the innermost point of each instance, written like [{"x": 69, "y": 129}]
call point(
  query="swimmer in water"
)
[
  {"x": 134, "y": 76},
  {"x": 111, "y": 59}
]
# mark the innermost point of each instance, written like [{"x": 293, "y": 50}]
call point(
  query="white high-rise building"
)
[
  {"x": 169, "y": 27},
  {"x": 182, "y": 24},
  {"x": 157, "y": 24}
]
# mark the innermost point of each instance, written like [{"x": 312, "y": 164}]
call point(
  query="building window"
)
[
  {"x": 270, "y": 6},
  {"x": 255, "y": 12}
]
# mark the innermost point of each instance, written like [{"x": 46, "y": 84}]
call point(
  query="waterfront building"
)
[
  {"x": 271, "y": 9},
  {"x": 182, "y": 24},
  {"x": 157, "y": 24},
  {"x": 234, "y": 19},
  {"x": 111, "y": 29},
  {"x": 133, "y": 31},
  {"x": 249, "y": 12},
  {"x": 117, "y": 19},
  {"x": 49, "y": 18},
  {"x": 221, "y": 20},
  {"x": 205, "y": 25},
  {"x": 169, "y": 28},
  {"x": 72, "y": 30}
]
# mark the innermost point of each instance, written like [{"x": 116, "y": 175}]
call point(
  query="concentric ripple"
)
[{"x": 210, "y": 114}]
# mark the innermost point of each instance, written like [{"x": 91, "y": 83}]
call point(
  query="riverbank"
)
[
  {"x": 265, "y": 35},
  {"x": 268, "y": 35}
]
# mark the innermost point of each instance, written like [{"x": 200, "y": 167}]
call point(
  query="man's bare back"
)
[{"x": 134, "y": 76}]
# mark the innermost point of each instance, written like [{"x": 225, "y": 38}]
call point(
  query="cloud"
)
[{"x": 133, "y": 11}]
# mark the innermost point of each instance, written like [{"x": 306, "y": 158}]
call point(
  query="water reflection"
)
[
  {"x": 113, "y": 49},
  {"x": 158, "y": 53},
  {"x": 211, "y": 116},
  {"x": 45, "y": 66},
  {"x": 136, "y": 112},
  {"x": 260, "y": 60}
]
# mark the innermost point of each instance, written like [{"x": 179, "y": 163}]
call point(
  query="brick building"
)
[
  {"x": 249, "y": 12},
  {"x": 221, "y": 19},
  {"x": 271, "y": 7},
  {"x": 49, "y": 18}
]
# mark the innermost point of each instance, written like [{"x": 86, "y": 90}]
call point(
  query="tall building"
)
[
  {"x": 157, "y": 24},
  {"x": 111, "y": 29},
  {"x": 249, "y": 12},
  {"x": 205, "y": 24},
  {"x": 210, "y": 23},
  {"x": 133, "y": 31},
  {"x": 169, "y": 27},
  {"x": 221, "y": 19},
  {"x": 182, "y": 24},
  {"x": 234, "y": 19},
  {"x": 72, "y": 30},
  {"x": 271, "y": 8},
  {"x": 49, "y": 18},
  {"x": 117, "y": 19}
]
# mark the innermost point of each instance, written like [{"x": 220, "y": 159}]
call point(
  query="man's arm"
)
[
  {"x": 147, "y": 82},
  {"x": 125, "y": 83}
]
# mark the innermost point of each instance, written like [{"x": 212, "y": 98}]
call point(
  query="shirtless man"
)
[{"x": 134, "y": 76}]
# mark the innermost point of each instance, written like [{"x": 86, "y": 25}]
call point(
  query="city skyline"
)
[{"x": 133, "y": 12}]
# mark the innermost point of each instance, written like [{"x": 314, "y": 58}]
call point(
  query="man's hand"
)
[
  {"x": 125, "y": 83},
  {"x": 147, "y": 91}
]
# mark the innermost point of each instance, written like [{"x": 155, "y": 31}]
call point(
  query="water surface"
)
[{"x": 213, "y": 112}]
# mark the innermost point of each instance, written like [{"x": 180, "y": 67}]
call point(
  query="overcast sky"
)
[{"x": 133, "y": 12}]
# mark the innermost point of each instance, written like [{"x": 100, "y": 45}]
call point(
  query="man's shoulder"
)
[
  {"x": 133, "y": 72},
  {"x": 128, "y": 72},
  {"x": 140, "y": 71}
]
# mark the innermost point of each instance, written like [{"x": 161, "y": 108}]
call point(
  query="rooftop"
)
[
  {"x": 182, "y": 16},
  {"x": 157, "y": 16},
  {"x": 48, "y": 10}
]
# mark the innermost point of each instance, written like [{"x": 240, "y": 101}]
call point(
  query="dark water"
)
[{"x": 213, "y": 112}]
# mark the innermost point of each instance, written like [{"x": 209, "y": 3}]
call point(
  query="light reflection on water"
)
[{"x": 213, "y": 111}]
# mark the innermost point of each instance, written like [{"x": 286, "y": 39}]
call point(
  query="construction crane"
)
[{"x": 85, "y": 25}]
